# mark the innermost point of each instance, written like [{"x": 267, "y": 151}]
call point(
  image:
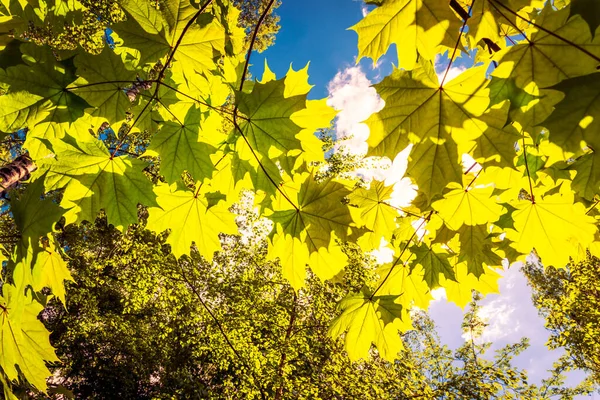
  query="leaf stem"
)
[
  {"x": 220, "y": 109},
  {"x": 400, "y": 256},
  {"x": 462, "y": 30},
  {"x": 473, "y": 180},
  {"x": 235, "y": 110},
  {"x": 527, "y": 169},
  {"x": 161, "y": 73},
  {"x": 546, "y": 30}
]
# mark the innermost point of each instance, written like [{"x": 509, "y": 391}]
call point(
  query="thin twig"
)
[
  {"x": 222, "y": 330},
  {"x": 462, "y": 30}
]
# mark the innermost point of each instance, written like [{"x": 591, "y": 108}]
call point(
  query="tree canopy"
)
[{"x": 154, "y": 121}]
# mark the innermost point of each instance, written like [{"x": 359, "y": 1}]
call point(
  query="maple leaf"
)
[
  {"x": 551, "y": 225},
  {"x": 470, "y": 206},
  {"x": 22, "y": 109},
  {"x": 313, "y": 213},
  {"x": 528, "y": 62},
  {"x": 434, "y": 261},
  {"x": 35, "y": 217},
  {"x": 191, "y": 218},
  {"x": 376, "y": 214},
  {"x": 476, "y": 249},
  {"x": 398, "y": 278},
  {"x": 433, "y": 118},
  {"x": 589, "y": 10},
  {"x": 460, "y": 292},
  {"x": 150, "y": 34},
  {"x": 24, "y": 339},
  {"x": 268, "y": 123},
  {"x": 47, "y": 99},
  {"x": 366, "y": 320},
  {"x": 496, "y": 145},
  {"x": 180, "y": 148},
  {"x": 576, "y": 118},
  {"x": 102, "y": 81},
  {"x": 490, "y": 21},
  {"x": 587, "y": 181},
  {"x": 50, "y": 270},
  {"x": 428, "y": 28},
  {"x": 95, "y": 180}
]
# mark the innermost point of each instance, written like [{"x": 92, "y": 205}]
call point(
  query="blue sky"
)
[{"x": 316, "y": 31}]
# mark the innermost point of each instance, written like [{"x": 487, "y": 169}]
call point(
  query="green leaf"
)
[
  {"x": 507, "y": 89},
  {"x": 268, "y": 124},
  {"x": 22, "y": 109},
  {"x": 529, "y": 61},
  {"x": 95, "y": 180},
  {"x": 434, "y": 261},
  {"x": 433, "y": 118},
  {"x": 369, "y": 320},
  {"x": 180, "y": 149},
  {"x": 576, "y": 117},
  {"x": 534, "y": 164},
  {"x": 427, "y": 28},
  {"x": 311, "y": 213},
  {"x": 33, "y": 216},
  {"x": 377, "y": 215},
  {"x": 191, "y": 217},
  {"x": 587, "y": 181},
  {"x": 476, "y": 249},
  {"x": 48, "y": 78},
  {"x": 50, "y": 270},
  {"x": 24, "y": 339},
  {"x": 102, "y": 83},
  {"x": 589, "y": 10},
  {"x": 149, "y": 35},
  {"x": 496, "y": 145}
]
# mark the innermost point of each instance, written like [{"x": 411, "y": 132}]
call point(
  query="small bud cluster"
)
[{"x": 133, "y": 91}]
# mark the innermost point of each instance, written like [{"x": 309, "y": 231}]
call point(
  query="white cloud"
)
[
  {"x": 364, "y": 9},
  {"x": 442, "y": 65},
  {"x": 350, "y": 92}
]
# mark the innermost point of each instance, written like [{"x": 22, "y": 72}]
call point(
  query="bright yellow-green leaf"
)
[
  {"x": 418, "y": 111},
  {"x": 313, "y": 212},
  {"x": 101, "y": 84},
  {"x": 95, "y": 180},
  {"x": 375, "y": 212},
  {"x": 367, "y": 320},
  {"x": 268, "y": 124},
  {"x": 460, "y": 291},
  {"x": 426, "y": 27},
  {"x": 22, "y": 109},
  {"x": 398, "y": 278},
  {"x": 191, "y": 218},
  {"x": 473, "y": 205},
  {"x": 576, "y": 119},
  {"x": 529, "y": 61},
  {"x": 158, "y": 32},
  {"x": 551, "y": 225},
  {"x": 180, "y": 148},
  {"x": 476, "y": 250},
  {"x": 50, "y": 270},
  {"x": 434, "y": 261},
  {"x": 24, "y": 339}
]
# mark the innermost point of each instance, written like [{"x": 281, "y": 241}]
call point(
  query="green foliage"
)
[
  {"x": 171, "y": 101},
  {"x": 140, "y": 324},
  {"x": 568, "y": 300}
]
